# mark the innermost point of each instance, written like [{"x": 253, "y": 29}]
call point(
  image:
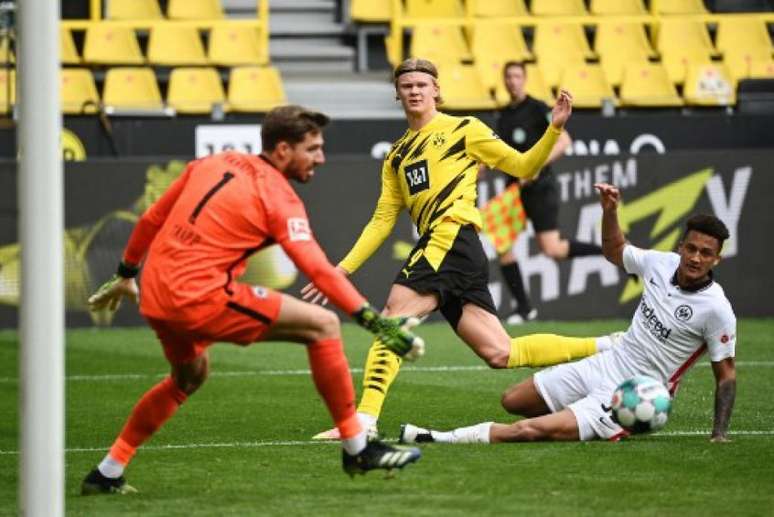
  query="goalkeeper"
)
[{"x": 197, "y": 237}]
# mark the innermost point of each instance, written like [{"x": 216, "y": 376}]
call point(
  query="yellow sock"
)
[
  {"x": 381, "y": 368},
  {"x": 547, "y": 349}
]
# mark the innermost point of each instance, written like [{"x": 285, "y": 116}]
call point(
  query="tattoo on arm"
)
[{"x": 725, "y": 394}]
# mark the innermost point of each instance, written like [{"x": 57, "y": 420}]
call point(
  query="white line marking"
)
[
  {"x": 297, "y": 443},
  {"x": 304, "y": 372}
]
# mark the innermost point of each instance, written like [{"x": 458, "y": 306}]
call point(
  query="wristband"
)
[{"x": 125, "y": 271}]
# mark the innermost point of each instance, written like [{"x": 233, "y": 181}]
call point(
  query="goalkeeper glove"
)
[
  {"x": 394, "y": 333},
  {"x": 108, "y": 296}
]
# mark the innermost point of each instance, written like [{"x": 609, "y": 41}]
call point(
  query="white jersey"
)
[{"x": 673, "y": 327}]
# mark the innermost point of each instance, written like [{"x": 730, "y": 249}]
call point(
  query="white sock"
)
[
  {"x": 355, "y": 444},
  {"x": 111, "y": 468},
  {"x": 478, "y": 433},
  {"x": 366, "y": 420}
]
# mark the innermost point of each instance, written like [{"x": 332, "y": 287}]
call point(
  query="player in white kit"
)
[{"x": 682, "y": 314}]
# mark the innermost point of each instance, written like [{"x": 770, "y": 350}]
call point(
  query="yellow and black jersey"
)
[{"x": 432, "y": 172}]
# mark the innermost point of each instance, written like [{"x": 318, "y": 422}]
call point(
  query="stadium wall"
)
[{"x": 103, "y": 198}]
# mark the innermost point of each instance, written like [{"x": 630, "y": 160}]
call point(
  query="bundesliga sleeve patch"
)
[{"x": 298, "y": 229}]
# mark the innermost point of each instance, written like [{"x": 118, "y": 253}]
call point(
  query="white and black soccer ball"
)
[{"x": 641, "y": 405}]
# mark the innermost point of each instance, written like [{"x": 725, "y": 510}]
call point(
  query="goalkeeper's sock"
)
[
  {"x": 381, "y": 368},
  {"x": 333, "y": 380},
  {"x": 478, "y": 433},
  {"x": 151, "y": 412},
  {"x": 548, "y": 349}
]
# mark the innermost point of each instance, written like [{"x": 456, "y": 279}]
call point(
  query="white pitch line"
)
[
  {"x": 296, "y": 443},
  {"x": 305, "y": 372}
]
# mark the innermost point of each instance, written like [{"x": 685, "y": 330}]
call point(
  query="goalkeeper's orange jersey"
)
[{"x": 199, "y": 234}]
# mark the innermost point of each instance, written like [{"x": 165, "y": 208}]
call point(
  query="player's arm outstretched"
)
[
  {"x": 725, "y": 394},
  {"x": 613, "y": 240}
]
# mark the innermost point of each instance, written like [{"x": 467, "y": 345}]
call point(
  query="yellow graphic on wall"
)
[{"x": 72, "y": 147}]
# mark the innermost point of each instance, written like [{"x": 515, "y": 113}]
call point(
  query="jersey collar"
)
[{"x": 695, "y": 288}]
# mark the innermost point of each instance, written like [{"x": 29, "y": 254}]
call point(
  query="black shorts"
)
[
  {"x": 454, "y": 267},
  {"x": 541, "y": 202}
]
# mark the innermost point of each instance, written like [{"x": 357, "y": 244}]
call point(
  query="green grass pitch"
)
[{"x": 241, "y": 445}]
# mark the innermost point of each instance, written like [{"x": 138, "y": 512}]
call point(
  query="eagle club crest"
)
[
  {"x": 683, "y": 313},
  {"x": 439, "y": 139}
]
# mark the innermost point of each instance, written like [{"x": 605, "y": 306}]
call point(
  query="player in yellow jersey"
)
[{"x": 431, "y": 171}]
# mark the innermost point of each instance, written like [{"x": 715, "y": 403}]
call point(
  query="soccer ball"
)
[{"x": 641, "y": 404}]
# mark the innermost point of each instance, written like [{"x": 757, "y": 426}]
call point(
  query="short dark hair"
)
[
  {"x": 517, "y": 64},
  {"x": 708, "y": 225},
  {"x": 290, "y": 124}
]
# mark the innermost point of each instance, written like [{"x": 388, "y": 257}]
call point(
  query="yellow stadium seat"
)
[
  {"x": 7, "y": 95},
  {"x": 737, "y": 34},
  {"x": 558, "y": 8},
  {"x": 133, "y": 10},
  {"x": 709, "y": 85},
  {"x": 502, "y": 40},
  {"x": 78, "y": 91},
  {"x": 462, "y": 89},
  {"x": 194, "y": 9},
  {"x": 106, "y": 43},
  {"x": 6, "y": 53},
  {"x": 739, "y": 61},
  {"x": 617, "y": 7},
  {"x": 647, "y": 84},
  {"x": 618, "y": 44},
  {"x": 370, "y": 11},
  {"x": 67, "y": 51},
  {"x": 587, "y": 84},
  {"x": 170, "y": 44},
  {"x": 558, "y": 44},
  {"x": 762, "y": 69},
  {"x": 255, "y": 89},
  {"x": 499, "y": 8},
  {"x": 232, "y": 45},
  {"x": 132, "y": 88},
  {"x": 682, "y": 42},
  {"x": 195, "y": 90},
  {"x": 677, "y": 7},
  {"x": 434, "y": 9},
  {"x": 439, "y": 43}
]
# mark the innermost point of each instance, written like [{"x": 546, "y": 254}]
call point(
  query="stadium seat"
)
[
  {"x": 739, "y": 61},
  {"x": 619, "y": 43},
  {"x": 78, "y": 92},
  {"x": 743, "y": 34},
  {"x": 108, "y": 44},
  {"x": 709, "y": 85},
  {"x": 7, "y": 95},
  {"x": 677, "y": 7},
  {"x": 682, "y": 42},
  {"x": 67, "y": 51},
  {"x": 588, "y": 85},
  {"x": 255, "y": 89},
  {"x": 557, "y": 44},
  {"x": 195, "y": 90},
  {"x": 462, "y": 89},
  {"x": 133, "y": 10},
  {"x": 194, "y": 10},
  {"x": 616, "y": 7},
  {"x": 232, "y": 45},
  {"x": 647, "y": 84},
  {"x": 504, "y": 41},
  {"x": 499, "y": 8},
  {"x": 558, "y": 8},
  {"x": 370, "y": 11},
  {"x": 762, "y": 69},
  {"x": 434, "y": 9},
  {"x": 170, "y": 44},
  {"x": 6, "y": 52},
  {"x": 536, "y": 87},
  {"x": 132, "y": 88},
  {"x": 439, "y": 43}
]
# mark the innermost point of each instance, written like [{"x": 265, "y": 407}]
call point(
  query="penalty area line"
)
[{"x": 298, "y": 443}]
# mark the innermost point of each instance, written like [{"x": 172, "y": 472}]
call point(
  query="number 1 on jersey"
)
[{"x": 227, "y": 176}]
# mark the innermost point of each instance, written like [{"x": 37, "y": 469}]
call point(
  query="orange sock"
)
[
  {"x": 330, "y": 372},
  {"x": 155, "y": 407}
]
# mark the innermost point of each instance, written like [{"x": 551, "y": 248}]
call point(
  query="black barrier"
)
[
  {"x": 104, "y": 198},
  {"x": 592, "y": 134}
]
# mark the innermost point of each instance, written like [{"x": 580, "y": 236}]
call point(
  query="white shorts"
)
[{"x": 585, "y": 387}]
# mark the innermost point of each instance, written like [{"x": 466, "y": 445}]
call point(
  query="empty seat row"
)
[
  {"x": 194, "y": 90},
  {"x": 169, "y": 44},
  {"x": 369, "y": 11},
  {"x": 176, "y": 9}
]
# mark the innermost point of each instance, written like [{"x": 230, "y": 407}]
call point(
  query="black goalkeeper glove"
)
[{"x": 394, "y": 333}]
